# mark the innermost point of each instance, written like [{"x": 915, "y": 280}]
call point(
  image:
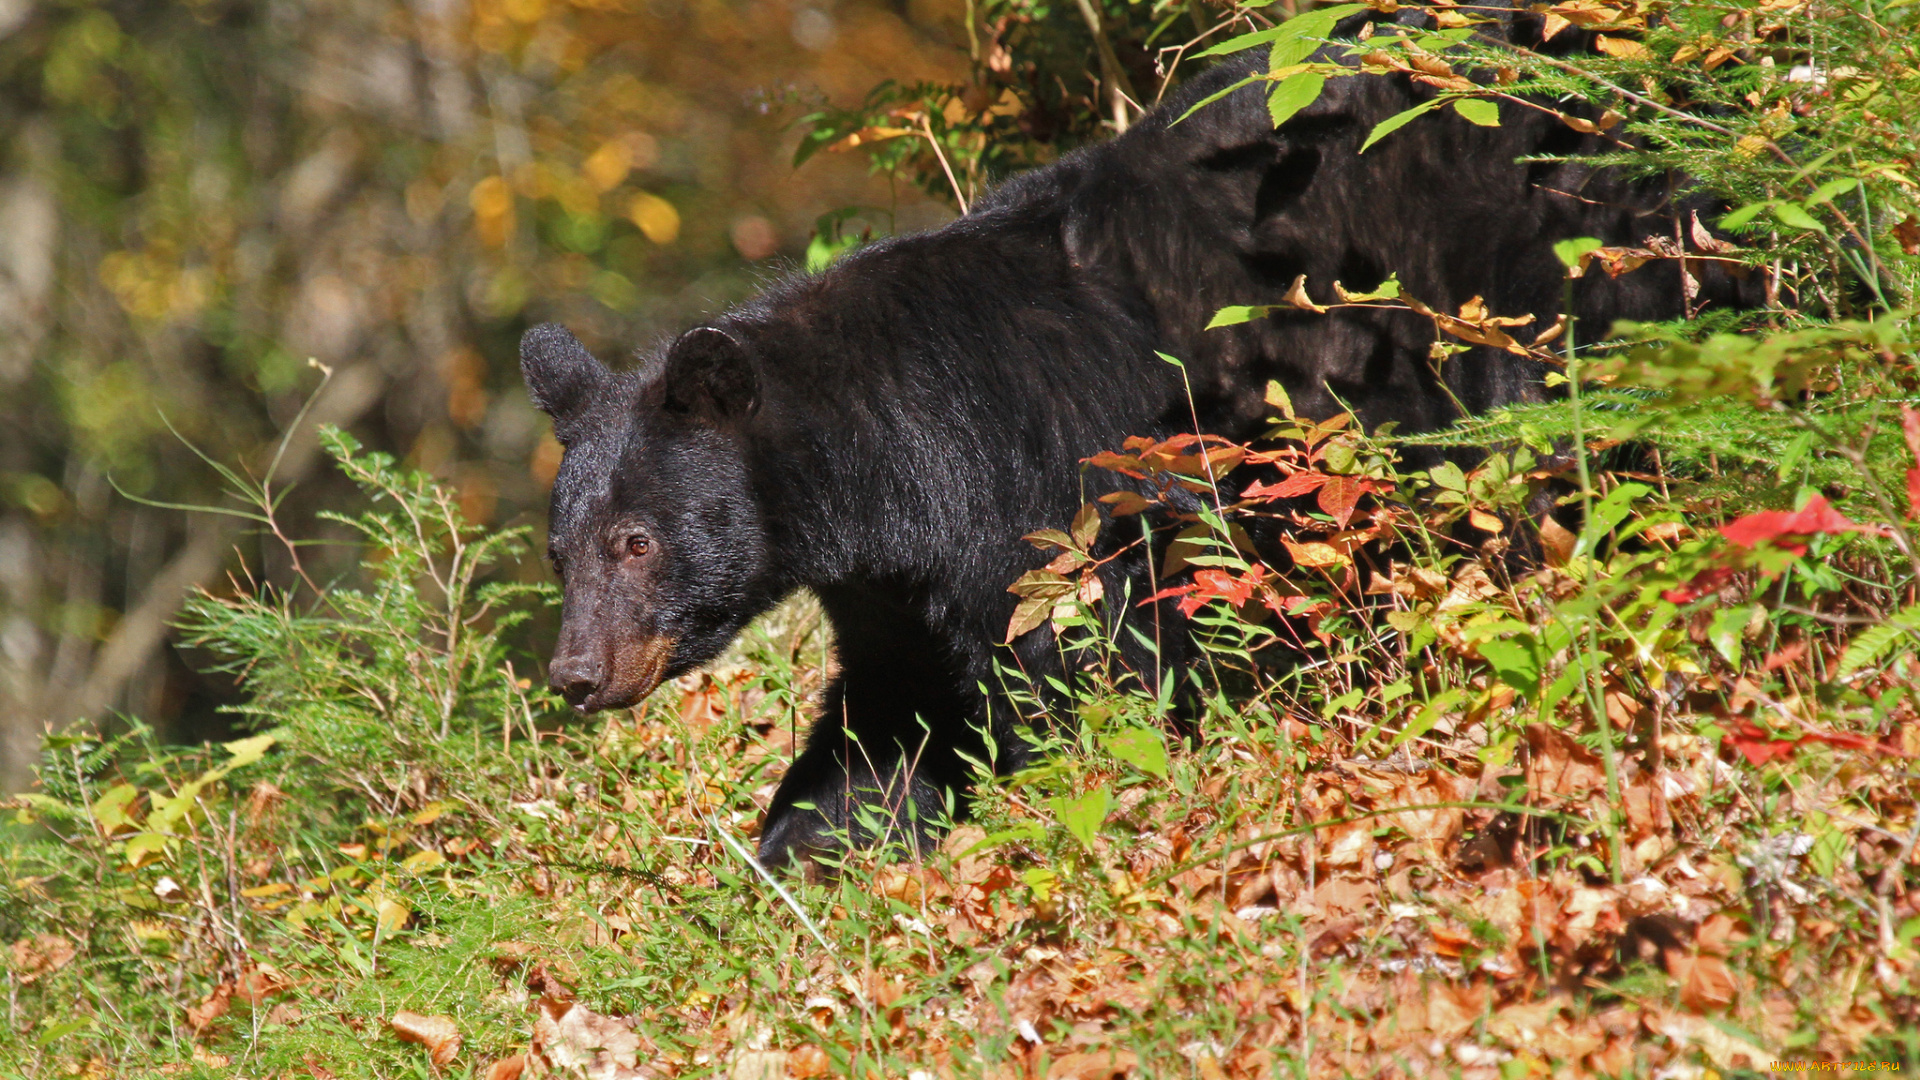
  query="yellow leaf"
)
[
  {"x": 431, "y": 812},
  {"x": 869, "y": 135},
  {"x": 266, "y": 890},
  {"x": 421, "y": 861},
  {"x": 144, "y": 849},
  {"x": 655, "y": 216},
  {"x": 1314, "y": 554},
  {"x": 1620, "y": 48},
  {"x": 609, "y": 165},
  {"x": 1485, "y": 522},
  {"x": 392, "y": 915}
]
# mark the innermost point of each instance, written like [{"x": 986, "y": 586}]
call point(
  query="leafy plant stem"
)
[{"x": 1589, "y": 662}]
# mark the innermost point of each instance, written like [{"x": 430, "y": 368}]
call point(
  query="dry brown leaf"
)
[
  {"x": 1707, "y": 242},
  {"x": 1452, "y": 1009},
  {"x": 1521, "y": 1026},
  {"x": 204, "y": 1056},
  {"x": 507, "y": 1068},
  {"x": 1706, "y": 984},
  {"x": 315, "y": 1068},
  {"x": 1907, "y": 233},
  {"x": 1558, "y": 541},
  {"x": 39, "y": 956},
  {"x": 758, "y": 1065},
  {"x": 439, "y": 1034},
  {"x": 1557, "y": 765},
  {"x": 1297, "y": 295},
  {"x": 571, "y": 1036},
  {"x": 260, "y": 983},
  {"x": 1093, "y": 1065},
  {"x": 1717, "y": 935},
  {"x": 211, "y": 1008},
  {"x": 1724, "y": 1050},
  {"x": 808, "y": 1061},
  {"x": 1486, "y": 522}
]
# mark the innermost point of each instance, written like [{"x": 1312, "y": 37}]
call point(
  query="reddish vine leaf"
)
[
  {"x": 1910, "y": 427},
  {"x": 1786, "y": 528}
]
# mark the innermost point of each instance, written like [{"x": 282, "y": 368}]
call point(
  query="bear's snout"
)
[
  {"x": 615, "y": 673},
  {"x": 577, "y": 678}
]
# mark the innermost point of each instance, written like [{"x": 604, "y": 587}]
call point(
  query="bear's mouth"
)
[{"x": 639, "y": 666}]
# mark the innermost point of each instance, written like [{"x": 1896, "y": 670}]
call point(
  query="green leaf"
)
[
  {"x": 1302, "y": 29},
  {"x": 1795, "y": 216},
  {"x": 1828, "y": 850},
  {"x": 1827, "y": 191},
  {"x": 1292, "y": 94},
  {"x": 1608, "y": 513},
  {"x": 1144, "y": 750},
  {"x": 1084, "y": 815},
  {"x": 1478, "y": 111},
  {"x": 110, "y": 810},
  {"x": 1236, "y": 314},
  {"x": 247, "y": 751},
  {"x": 1397, "y": 121},
  {"x": 1725, "y": 630},
  {"x": 1213, "y": 97},
  {"x": 1569, "y": 251},
  {"x": 1515, "y": 660},
  {"x": 1386, "y": 290},
  {"x": 1743, "y": 215},
  {"x": 1430, "y": 714}
]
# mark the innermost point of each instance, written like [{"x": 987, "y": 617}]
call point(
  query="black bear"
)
[{"x": 883, "y": 433}]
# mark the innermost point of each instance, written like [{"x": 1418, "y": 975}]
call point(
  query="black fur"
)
[{"x": 884, "y": 433}]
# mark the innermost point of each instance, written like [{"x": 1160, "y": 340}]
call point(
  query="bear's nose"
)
[{"x": 576, "y": 678}]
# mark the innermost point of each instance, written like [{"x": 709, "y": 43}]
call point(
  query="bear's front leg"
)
[{"x": 884, "y": 762}]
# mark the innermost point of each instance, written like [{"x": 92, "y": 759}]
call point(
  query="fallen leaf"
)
[
  {"x": 758, "y": 1065},
  {"x": 439, "y": 1034},
  {"x": 39, "y": 956},
  {"x": 1093, "y": 1065},
  {"x": 570, "y": 1036},
  {"x": 507, "y": 1068},
  {"x": 211, "y": 1008},
  {"x": 808, "y": 1061}
]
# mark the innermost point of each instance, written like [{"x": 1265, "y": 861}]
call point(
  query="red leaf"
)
[
  {"x": 1300, "y": 483},
  {"x": 1705, "y": 582},
  {"x": 1777, "y": 526},
  {"x": 1913, "y": 493},
  {"x": 1758, "y": 745},
  {"x": 1338, "y": 497}
]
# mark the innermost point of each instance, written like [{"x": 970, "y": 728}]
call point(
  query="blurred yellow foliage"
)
[{"x": 655, "y": 216}]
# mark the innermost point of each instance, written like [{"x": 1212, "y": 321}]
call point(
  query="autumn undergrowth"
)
[{"x": 1579, "y": 739}]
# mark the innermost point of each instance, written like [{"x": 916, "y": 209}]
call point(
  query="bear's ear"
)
[
  {"x": 561, "y": 374},
  {"x": 709, "y": 374}
]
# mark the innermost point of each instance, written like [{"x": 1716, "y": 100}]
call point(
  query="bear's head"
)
[{"x": 654, "y": 531}]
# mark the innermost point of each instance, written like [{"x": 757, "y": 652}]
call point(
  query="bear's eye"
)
[{"x": 638, "y": 545}]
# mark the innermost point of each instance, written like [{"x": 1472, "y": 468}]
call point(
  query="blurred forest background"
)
[{"x": 196, "y": 197}]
